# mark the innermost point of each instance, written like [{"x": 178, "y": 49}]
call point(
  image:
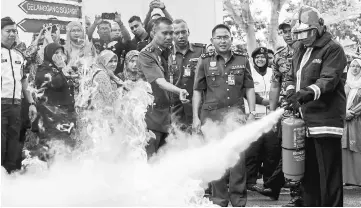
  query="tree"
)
[
  {"x": 274, "y": 39},
  {"x": 241, "y": 13}
]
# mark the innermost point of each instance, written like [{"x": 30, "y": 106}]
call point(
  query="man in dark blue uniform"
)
[
  {"x": 153, "y": 62},
  {"x": 183, "y": 63},
  {"x": 224, "y": 77}
]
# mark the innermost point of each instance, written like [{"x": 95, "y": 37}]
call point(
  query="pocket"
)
[
  {"x": 210, "y": 106},
  {"x": 213, "y": 78},
  {"x": 238, "y": 76}
]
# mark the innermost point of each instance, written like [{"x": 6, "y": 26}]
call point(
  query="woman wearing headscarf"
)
[
  {"x": 76, "y": 44},
  {"x": 131, "y": 70},
  {"x": 105, "y": 80},
  {"x": 266, "y": 149},
  {"x": 351, "y": 139},
  {"x": 57, "y": 106}
]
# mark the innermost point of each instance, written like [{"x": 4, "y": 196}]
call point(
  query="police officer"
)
[
  {"x": 318, "y": 64},
  {"x": 13, "y": 85},
  {"x": 183, "y": 62},
  {"x": 223, "y": 77},
  {"x": 282, "y": 85},
  {"x": 266, "y": 149},
  {"x": 153, "y": 62}
]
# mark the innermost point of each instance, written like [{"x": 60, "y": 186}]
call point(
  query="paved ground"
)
[{"x": 352, "y": 198}]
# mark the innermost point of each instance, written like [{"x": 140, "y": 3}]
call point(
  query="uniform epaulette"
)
[
  {"x": 205, "y": 55},
  {"x": 199, "y": 45},
  {"x": 239, "y": 53},
  {"x": 149, "y": 48}
]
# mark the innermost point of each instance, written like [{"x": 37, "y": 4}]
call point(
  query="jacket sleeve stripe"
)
[
  {"x": 316, "y": 90},
  {"x": 325, "y": 130}
]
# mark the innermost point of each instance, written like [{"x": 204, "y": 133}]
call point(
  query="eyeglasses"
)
[
  {"x": 355, "y": 66},
  {"x": 76, "y": 31},
  {"x": 12, "y": 30},
  {"x": 222, "y": 38}
]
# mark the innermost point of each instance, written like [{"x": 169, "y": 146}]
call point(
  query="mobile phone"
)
[
  {"x": 54, "y": 28},
  {"x": 109, "y": 16}
]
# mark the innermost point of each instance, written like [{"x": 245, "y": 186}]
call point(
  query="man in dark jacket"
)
[{"x": 318, "y": 64}]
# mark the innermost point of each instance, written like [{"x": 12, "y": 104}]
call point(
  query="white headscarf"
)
[{"x": 354, "y": 83}]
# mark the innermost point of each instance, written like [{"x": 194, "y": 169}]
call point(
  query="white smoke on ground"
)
[{"x": 110, "y": 168}]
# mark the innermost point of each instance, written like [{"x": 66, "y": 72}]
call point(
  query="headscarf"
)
[
  {"x": 85, "y": 48},
  {"x": 104, "y": 58},
  {"x": 49, "y": 51},
  {"x": 260, "y": 50},
  {"x": 354, "y": 83},
  {"x": 128, "y": 75}
]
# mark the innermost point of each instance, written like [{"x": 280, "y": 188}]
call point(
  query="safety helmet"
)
[{"x": 309, "y": 19}]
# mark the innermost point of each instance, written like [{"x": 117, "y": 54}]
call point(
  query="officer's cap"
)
[{"x": 6, "y": 21}]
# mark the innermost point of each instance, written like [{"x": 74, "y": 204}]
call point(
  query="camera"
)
[{"x": 109, "y": 16}]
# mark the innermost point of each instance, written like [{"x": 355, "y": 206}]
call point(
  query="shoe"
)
[
  {"x": 251, "y": 187},
  {"x": 295, "y": 202},
  {"x": 266, "y": 192}
]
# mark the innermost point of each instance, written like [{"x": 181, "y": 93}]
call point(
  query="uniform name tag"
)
[
  {"x": 3, "y": 60},
  {"x": 238, "y": 67},
  {"x": 187, "y": 71},
  {"x": 17, "y": 62},
  {"x": 171, "y": 79},
  {"x": 231, "y": 79}
]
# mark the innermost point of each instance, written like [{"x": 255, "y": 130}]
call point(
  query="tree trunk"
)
[
  {"x": 242, "y": 16},
  {"x": 274, "y": 40}
]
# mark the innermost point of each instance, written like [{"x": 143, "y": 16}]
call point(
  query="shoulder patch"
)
[
  {"x": 206, "y": 55},
  {"x": 239, "y": 53},
  {"x": 199, "y": 45},
  {"x": 149, "y": 48}
]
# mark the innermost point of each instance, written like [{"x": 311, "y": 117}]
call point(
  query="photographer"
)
[
  {"x": 119, "y": 47},
  {"x": 154, "y": 14}
]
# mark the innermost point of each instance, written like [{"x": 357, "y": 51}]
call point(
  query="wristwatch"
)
[{"x": 253, "y": 113}]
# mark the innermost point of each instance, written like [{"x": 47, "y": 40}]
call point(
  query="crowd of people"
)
[{"x": 193, "y": 82}]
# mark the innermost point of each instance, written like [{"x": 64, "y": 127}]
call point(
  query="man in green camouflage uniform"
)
[{"x": 282, "y": 86}]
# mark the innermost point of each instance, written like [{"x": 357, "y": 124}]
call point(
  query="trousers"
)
[
  {"x": 10, "y": 131},
  {"x": 322, "y": 182},
  {"x": 232, "y": 186}
]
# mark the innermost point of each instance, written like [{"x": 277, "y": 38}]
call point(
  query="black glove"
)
[{"x": 295, "y": 100}]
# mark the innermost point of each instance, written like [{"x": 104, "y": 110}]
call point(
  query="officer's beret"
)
[
  {"x": 270, "y": 51},
  {"x": 6, "y": 21},
  {"x": 259, "y": 50}
]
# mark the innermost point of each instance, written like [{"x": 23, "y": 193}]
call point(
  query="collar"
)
[
  {"x": 138, "y": 39},
  {"x": 323, "y": 40},
  {"x": 190, "y": 48},
  {"x": 157, "y": 48},
  {"x": 11, "y": 47}
]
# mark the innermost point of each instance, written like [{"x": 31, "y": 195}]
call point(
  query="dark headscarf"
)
[{"x": 50, "y": 50}]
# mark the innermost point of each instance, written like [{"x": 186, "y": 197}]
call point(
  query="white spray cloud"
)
[{"x": 110, "y": 168}]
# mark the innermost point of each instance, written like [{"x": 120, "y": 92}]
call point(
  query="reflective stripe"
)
[
  {"x": 304, "y": 60},
  {"x": 326, "y": 130},
  {"x": 316, "y": 90}
]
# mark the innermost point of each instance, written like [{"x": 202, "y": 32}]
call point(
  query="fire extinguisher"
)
[{"x": 293, "y": 147}]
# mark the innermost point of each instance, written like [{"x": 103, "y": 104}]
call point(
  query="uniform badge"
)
[
  {"x": 160, "y": 60},
  {"x": 231, "y": 79},
  {"x": 261, "y": 50},
  {"x": 187, "y": 71},
  {"x": 213, "y": 63},
  {"x": 17, "y": 62},
  {"x": 3, "y": 60}
]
